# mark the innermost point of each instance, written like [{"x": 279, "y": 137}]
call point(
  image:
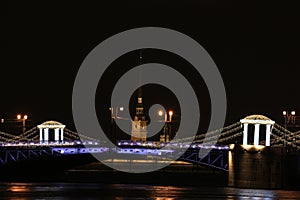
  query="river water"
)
[{"x": 62, "y": 191}]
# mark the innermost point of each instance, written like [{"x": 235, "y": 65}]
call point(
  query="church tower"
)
[{"x": 139, "y": 124}]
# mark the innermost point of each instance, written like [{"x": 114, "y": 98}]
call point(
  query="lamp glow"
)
[{"x": 160, "y": 113}]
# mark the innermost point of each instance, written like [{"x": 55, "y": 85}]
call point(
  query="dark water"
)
[{"x": 62, "y": 191}]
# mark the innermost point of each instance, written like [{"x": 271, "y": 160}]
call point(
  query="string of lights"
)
[
  {"x": 224, "y": 135},
  {"x": 279, "y": 134},
  {"x": 79, "y": 136},
  {"x": 214, "y": 134},
  {"x": 231, "y": 137},
  {"x": 292, "y": 144},
  {"x": 290, "y": 136},
  {"x": 220, "y": 131}
]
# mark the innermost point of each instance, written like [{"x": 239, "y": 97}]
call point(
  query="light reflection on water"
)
[{"x": 63, "y": 191}]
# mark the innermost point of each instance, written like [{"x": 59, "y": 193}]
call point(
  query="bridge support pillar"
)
[{"x": 255, "y": 166}]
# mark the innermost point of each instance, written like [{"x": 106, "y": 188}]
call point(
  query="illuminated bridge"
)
[{"x": 52, "y": 138}]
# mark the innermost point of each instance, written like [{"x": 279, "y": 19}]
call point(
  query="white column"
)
[
  {"x": 62, "y": 134},
  {"x": 41, "y": 135},
  {"x": 46, "y": 134},
  {"x": 245, "y": 136},
  {"x": 256, "y": 134},
  {"x": 56, "y": 134},
  {"x": 268, "y": 134}
]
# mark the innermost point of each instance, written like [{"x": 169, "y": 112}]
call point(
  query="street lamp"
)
[
  {"x": 167, "y": 128},
  {"x": 287, "y": 119},
  {"x": 23, "y": 118},
  {"x": 160, "y": 113},
  {"x": 170, "y": 114},
  {"x": 113, "y": 117}
]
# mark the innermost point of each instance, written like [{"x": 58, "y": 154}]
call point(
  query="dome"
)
[
  {"x": 51, "y": 124},
  {"x": 257, "y": 117}
]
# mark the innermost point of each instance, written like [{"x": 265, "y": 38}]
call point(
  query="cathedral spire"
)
[
  {"x": 139, "y": 107},
  {"x": 140, "y": 78},
  {"x": 139, "y": 124}
]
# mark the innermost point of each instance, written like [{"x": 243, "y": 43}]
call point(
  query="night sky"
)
[{"x": 43, "y": 43}]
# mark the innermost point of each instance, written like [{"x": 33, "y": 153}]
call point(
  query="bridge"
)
[{"x": 52, "y": 138}]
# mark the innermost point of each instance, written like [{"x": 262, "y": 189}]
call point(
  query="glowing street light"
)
[
  {"x": 288, "y": 118},
  {"x": 114, "y": 115},
  {"x": 170, "y": 114},
  {"x": 114, "y": 111},
  {"x": 284, "y": 113},
  {"x": 23, "y": 118},
  {"x": 167, "y": 128},
  {"x": 160, "y": 113}
]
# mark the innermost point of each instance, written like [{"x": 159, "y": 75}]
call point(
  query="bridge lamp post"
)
[
  {"x": 161, "y": 113},
  {"x": 24, "y": 118},
  {"x": 167, "y": 127},
  {"x": 287, "y": 118},
  {"x": 113, "y": 116},
  {"x": 170, "y": 114}
]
